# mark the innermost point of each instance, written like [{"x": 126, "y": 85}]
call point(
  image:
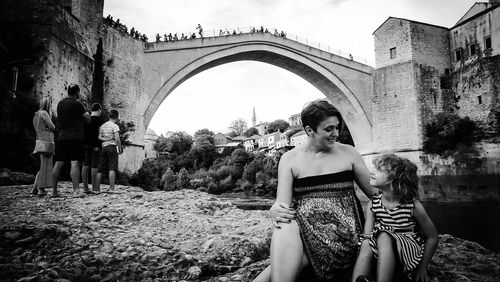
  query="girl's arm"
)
[
  {"x": 48, "y": 121},
  {"x": 281, "y": 211},
  {"x": 431, "y": 240}
]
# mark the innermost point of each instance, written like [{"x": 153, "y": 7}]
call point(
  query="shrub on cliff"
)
[
  {"x": 447, "y": 132},
  {"x": 182, "y": 181},
  {"x": 168, "y": 180}
]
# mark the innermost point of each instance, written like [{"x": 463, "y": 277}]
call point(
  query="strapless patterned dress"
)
[{"x": 329, "y": 216}]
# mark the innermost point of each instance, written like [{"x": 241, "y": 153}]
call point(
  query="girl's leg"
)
[
  {"x": 364, "y": 261},
  {"x": 386, "y": 262},
  {"x": 288, "y": 257}
]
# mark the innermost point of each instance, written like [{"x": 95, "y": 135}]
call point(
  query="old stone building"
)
[{"x": 424, "y": 69}]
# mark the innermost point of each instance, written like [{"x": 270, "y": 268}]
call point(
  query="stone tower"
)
[{"x": 254, "y": 118}]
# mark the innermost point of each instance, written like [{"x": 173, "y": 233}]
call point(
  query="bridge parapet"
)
[{"x": 335, "y": 56}]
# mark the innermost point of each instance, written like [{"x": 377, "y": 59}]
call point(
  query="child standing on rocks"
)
[
  {"x": 392, "y": 217},
  {"x": 109, "y": 134}
]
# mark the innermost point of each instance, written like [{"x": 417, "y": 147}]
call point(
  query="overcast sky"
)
[{"x": 222, "y": 94}]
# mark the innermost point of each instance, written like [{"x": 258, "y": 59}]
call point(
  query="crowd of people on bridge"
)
[
  {"x": 176, "y": 37},
  {"x": 134, "y": 33},
  {"x": 83, "y": 136}
]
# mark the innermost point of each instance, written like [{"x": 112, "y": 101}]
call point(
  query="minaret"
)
[{"x": 254, "y": 118}]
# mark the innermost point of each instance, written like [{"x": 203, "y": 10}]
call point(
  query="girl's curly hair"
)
[{"x": 403, "y": 174}]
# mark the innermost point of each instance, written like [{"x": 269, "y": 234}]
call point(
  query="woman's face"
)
[{"x": 328, "y": 131}]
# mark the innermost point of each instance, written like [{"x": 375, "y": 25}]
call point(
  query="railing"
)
[{"x": 210, "y": 33}]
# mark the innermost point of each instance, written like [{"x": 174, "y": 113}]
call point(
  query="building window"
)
[
  {"x": 479, "y": 100},
  {"x": 472, "y": 49},
  {"x": 458, "y": 54},
  {"x": 393, "y": 52},
  {"x": 487, "y": 42}
]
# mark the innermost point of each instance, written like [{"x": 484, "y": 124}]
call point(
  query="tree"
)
[
  {"x": 174, "y": 142},
  {"x": 278, "y": 125},
  {"x": 203, "y": 131},
  {"x": 238, "y": 126},
  {"x": 203, "y": 151},
  {"x": 251, "y": 132},
  {"x": 125, "y": 129},
  {"x": 168, "y": 180},
  {"x": 182, "y": 179},
  {"x": 447, "y": 131}
]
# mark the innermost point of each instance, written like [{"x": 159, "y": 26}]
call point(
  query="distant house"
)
[
  {"x": 298, "y": 138},
  {"x": 273, "y": 139},
  {"x": 232, "y": 145},
  {"x": 262, "y": 141},
  {"x": 220, "y": 139},
  {"x": 262, "y": 128},
  {"x": 238, "y": 138},
  {"x": 294, "y": 120},
  {"x": 251, "y": 143}
]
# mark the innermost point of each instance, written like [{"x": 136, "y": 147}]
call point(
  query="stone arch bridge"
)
[{"x": 345, "y": 82}]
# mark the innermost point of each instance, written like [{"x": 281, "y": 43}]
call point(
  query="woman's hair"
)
[
  {"x": 45, "y": 104},
  {"x": 402, "y": 173},
  {"x": 318, "y": 110}
]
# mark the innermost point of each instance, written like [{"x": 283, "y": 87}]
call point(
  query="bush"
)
[
  {"x": 447, "y": 132},
  {"x": 168, "y": 180},
  {"x": 182, "y": 181},
  {"x": 148, "y": 177}
]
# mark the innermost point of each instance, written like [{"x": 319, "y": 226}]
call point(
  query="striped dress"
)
[{"x": 400, "y": 224}]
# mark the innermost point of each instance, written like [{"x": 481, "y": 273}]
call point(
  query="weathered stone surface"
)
[{"x": 133, "y": 235}]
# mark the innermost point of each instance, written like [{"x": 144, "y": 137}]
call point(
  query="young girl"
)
[{"x": 392, "y": 220}]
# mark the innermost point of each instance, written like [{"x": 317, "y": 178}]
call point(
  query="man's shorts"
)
[
  {"x": 91, "y": 157},
  {"x": 108, "y": 160},
  {"x": 69, "y": 150}
]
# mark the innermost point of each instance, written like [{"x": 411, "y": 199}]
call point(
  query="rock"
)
[
  {"x": 95, "y": 278},
  {"x": 13, "y": 236},
  {"x": 246, "y": 261},
  {"x": 28, "y": 279},
  {"x": 194, "y": 272}
]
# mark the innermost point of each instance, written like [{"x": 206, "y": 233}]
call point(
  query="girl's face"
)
[
  {"x": 379, "y": 178},
  {"x": 328, "y": 130}
]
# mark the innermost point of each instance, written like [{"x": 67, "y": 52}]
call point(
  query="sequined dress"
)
[{"x": 329, "y": 216}]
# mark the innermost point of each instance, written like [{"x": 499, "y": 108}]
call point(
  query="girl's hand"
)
[
  {"x": 421, "y": 275},
  {"x": 281, "y": 212}
]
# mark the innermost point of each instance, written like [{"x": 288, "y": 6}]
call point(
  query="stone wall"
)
[
  {"x": 477, "y": 89},
  {"x": 430, "y": 46},
  {"x": 123, "y": 88},
  {"x": 396, "y": 117},
  {"x": 393, "y": 33}
]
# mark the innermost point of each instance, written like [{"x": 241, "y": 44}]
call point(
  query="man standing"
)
[
  {"x": 109, "y": 134},
  {"x": 71, "y": 115},
  {"x": 92, "y": 148}
]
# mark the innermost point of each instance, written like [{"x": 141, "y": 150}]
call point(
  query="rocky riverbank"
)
[{"x": 133, "y": 235}]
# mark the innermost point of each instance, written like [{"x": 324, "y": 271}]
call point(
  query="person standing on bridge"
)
[
  {"x": 317, "y": 214},
  {"x": 200, "y": 30},
  {"x": 71, "y": 115}
]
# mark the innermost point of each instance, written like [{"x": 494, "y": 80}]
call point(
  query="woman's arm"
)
[
  {"x": 431, "y": 240},
  {"x": 48, "y": 121},
  {"x": 281, "y": 211},
  {"x": 362, "y": 174}
]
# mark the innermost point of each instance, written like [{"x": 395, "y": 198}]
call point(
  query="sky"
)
[{"x": 225, "y": 93}]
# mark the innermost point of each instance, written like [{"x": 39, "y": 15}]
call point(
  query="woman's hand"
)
[
  {"x": 421, "y": 275},
  {"x": 281, "y": 212}
]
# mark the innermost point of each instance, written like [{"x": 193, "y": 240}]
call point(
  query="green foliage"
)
[
  {"x": 278, "y": 125},
  {"x": 174, "y": 142},
  {"x": 150, "y": 174},
  {"x": 168, "y": 180},
  {"x": 238, "y": 126},
  {"x": 203, "y": 151},
  {"x": 203, "y": 131},
  {"x": 125, "y": 129},
  {"x": 447, "y": 132},
  {"x": 251, "y": 132},
  {"x": 182, "y": 181}
]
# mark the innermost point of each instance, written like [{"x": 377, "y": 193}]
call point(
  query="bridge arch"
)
[{"x": 324, "y": 79}]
